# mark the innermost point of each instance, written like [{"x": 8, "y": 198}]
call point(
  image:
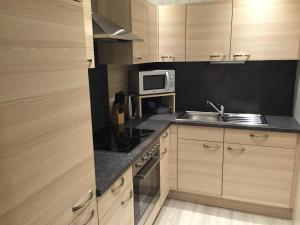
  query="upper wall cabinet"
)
[
  {"x": 139, "y": 13},
  {"x": 89, "y": 33},
  {"x": 208, "y": 30},
  {"x": 153, "y": 32},
  {"x": 133, "y": 16},
  {"x": 172, "y": 33},
  {"x": 265, "y": 30}
]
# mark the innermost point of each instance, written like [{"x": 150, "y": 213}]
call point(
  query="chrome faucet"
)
[{"x": 221, "y": 111}]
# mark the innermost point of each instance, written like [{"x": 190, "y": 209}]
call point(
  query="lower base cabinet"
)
[
  {"x": 88, "y": 216},
  {"x": 200, "y": 167},
  {"x": 255, "y": 174},
  {"x": 121, "y": 213}
]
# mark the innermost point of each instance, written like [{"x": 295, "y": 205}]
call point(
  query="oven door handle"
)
[{"x": 144, "y": 175}]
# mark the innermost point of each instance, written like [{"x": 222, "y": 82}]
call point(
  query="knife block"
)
[{"x": 116, "y": 117}]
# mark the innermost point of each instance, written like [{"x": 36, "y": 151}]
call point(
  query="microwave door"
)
[{"x": 153, "y": 84}]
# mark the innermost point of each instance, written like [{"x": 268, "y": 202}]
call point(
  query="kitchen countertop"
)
[{"x": 109, "y": 166}]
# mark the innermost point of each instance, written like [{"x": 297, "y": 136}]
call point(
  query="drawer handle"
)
[
  {"x": 216, "y": 147},
  {"x": 214, "y": 56},
  {"x": 90, "y": 217},
  {"x": 139, "y": 58},
  {"x": 84, "y": 204},
  {"x": 168, "y": 57},
  {"x": 126, "y": 200},
  {"x": 259, "y": 136},
  {"x": 89, "y": 60},
  {"x": 113, "y": 189},
  {"x": 236, "y": 149},
  {"x": 164, "y": 152},
  {"x": 77, "y": 0},
  {"x": 165, "y": 135}
]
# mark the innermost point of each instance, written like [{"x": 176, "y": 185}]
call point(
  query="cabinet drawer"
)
[
  {"x": 88, "y": 216},
  {"x": 200, "y": 167},
  {"x": 201, "y": 133},
  {"x": 261, "y": 138},
  {"x": 112, "y": 195},
  {"x": 262, "y": 175},
  {"x": 121, "y": 212}
]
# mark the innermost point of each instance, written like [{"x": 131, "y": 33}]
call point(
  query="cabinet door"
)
[
  {"x": 46, "y": 150},
  {"x": 173, "y": 157},
  {"x": 139, "y": 10},
  {"x": 122, "y": 211},
  {"x": 153, "y": 32},
  {"x": 258, "y": 174},
  {"x": 164, "y": 165},
  {"x": 208, "y": 31},
  {"x": 89, "y": 33},
  {"x": 200, "y": 167},
  {"x": 172, "y": 33},
  {"x": 265, "y": 30}
]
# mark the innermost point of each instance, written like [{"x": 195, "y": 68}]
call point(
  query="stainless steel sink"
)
[{"x": 234, "y": 118}]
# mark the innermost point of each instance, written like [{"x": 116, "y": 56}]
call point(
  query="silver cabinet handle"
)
[
  {"x": 113, "y": 189},
  {"x": 217, "y": 56},
  {"x": 90, "y": 217},
  {"x": 265, "y": 136},
  {"x": 166, "y": 135},
  {"x": 215, "y": 147},
  {"x": 77, "y": 0},
  {"x": 126, "y": 200},
  {"x": 139, "y": 58},
  {"x": 165, "y": 151},
  {"x": 168, "y": 57},
  {"x": 236, "y": 149},
  {"x": 84, "y": 204},
  {"x": 89, "y": 60},
  {"x": 242, "y": 55}
]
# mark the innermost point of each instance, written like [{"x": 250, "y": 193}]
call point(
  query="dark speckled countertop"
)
[{"x": 109, "y": 166}]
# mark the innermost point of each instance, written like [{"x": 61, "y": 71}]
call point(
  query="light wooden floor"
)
[{"x": 185, "y": 213}]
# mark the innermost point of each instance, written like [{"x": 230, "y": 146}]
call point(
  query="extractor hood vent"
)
[{"x": 105, "y": 30}]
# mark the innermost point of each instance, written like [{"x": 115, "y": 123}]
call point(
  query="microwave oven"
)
[{"x": 151, "y": 82}]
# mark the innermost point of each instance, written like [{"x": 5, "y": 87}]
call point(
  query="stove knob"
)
[
  {"x": 145, "y": 158},
  {"x": 139, "y": 165},
  {"x": 149, "y": 154}
]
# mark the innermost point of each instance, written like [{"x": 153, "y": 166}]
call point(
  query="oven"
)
[{"x": 146, "y": 183}]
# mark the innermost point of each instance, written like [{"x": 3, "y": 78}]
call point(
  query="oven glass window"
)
[
  {"x": 146, "y": 192},
  {"x": 154, "y": 82}
]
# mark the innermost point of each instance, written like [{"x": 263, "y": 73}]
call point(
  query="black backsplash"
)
[
  {"x": 265, "y": 87},
  {"x": 99, "y": 96}
]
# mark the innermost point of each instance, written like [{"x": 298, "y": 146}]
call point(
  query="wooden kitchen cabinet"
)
[
  {"x": 208, "y": 31},
  {"x": 172, "y": 33},
  {"x": 255, "y": 174},
  {"x": 200, "y": 167},
  {"x": 173, "y": 157},
  {"x": 265, "y": 30},
  {"x": 164, "y": 166},
  {"x": 153, "y": 32},
  {"x": 139, "y": 10},
  {"x": 89, "y": 40},
  {"x": 133, "y": 16},
  {"x": 122, "y": 211},
  {"x": 46, "y": 153},
  {"x": 88, "y": 216}
]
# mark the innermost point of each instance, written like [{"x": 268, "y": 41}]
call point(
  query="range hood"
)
[{"x": 105, "y": 30}]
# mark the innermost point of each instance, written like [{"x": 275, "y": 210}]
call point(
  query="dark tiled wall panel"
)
[{"x": 265, "y": 87}]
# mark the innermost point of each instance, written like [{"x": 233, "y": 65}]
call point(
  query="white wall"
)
[{"x": 297, "y": 96}]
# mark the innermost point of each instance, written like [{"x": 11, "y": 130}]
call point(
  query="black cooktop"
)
[{"x": 119, "y": 139}]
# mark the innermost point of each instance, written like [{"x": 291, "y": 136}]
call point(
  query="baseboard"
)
[{"x": 279, "y": 212}]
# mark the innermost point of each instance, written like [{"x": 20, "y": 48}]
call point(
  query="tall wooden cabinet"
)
[
  {"x": 46, "y": 151},
  {"x": 265, "y": 30},
  {"x": 208, "y": 30},
  {"x": 89, "y": 40},
  {"x": 172, "y": 33}
]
